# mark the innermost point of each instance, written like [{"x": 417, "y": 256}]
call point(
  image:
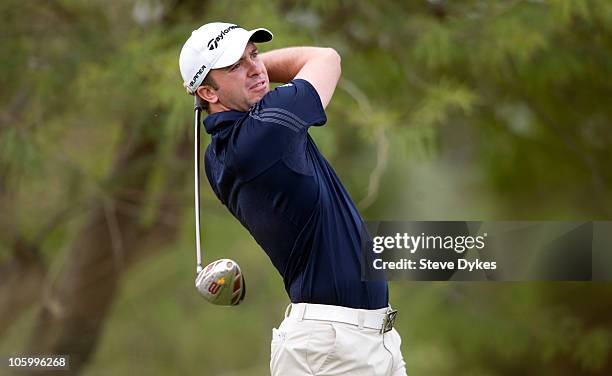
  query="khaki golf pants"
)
[{"x": 314, "y": 347}]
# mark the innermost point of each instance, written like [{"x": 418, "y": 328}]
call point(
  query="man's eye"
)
[
  {"x": 254, "y": 54},
  {"x": 235, "y": 66}
]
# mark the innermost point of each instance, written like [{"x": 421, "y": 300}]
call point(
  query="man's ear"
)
[{"x": 207, "y": 93}]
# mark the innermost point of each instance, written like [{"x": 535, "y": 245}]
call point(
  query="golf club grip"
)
[{"x": 198, "y": 111}]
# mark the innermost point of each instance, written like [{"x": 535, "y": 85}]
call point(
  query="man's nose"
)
[{"x": 254, "y": 68}]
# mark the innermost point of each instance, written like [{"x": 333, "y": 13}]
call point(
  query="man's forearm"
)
[{"x": 285, "y": 63}]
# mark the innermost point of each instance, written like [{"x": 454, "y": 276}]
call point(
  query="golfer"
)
[{"x": 266, "y": 169}]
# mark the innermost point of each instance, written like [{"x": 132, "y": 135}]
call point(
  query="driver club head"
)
[{"x": 222, "y": 283}]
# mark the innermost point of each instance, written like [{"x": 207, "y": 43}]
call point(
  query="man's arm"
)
[{"x": 319, "y": 66}]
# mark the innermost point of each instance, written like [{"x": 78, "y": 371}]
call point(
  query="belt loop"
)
[
  {"x": 301, "y": 311},
  {"x": 360, "y": 319},
  {"x": 288, "y": 310}
]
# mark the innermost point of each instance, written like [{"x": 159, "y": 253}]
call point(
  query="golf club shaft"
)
[{"x": 198, "y": 111}]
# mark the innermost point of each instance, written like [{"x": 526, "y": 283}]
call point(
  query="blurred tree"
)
[{"x": 120, "y": 223}]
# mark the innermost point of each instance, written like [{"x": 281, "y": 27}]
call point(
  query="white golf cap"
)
[{"x": 215, "y": 45}]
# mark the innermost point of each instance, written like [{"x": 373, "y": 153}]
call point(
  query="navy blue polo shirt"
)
[{"x": 266, "y": 169}]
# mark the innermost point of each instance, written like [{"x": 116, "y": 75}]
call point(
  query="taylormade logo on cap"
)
[
  {"x": 213, "y": 43},
  {"x": 213, "y": 46}
]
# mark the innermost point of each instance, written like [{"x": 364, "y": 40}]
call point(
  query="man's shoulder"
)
[
  {"x": 295, "y": 105},
  {"x": 252, "y": 146}
]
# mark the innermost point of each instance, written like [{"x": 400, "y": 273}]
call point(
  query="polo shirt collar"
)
[{"x": 218, "y": 120}]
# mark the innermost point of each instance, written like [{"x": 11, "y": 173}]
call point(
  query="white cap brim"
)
[{"x": 235, "y": 49}]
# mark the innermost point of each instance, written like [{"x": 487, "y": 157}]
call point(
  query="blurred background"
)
[{"x": 447, "y": 110}]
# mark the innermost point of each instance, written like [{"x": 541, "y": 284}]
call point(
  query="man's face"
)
[{"x": 242, "y": 84}]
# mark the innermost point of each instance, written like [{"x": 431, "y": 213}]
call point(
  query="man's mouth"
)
[{"x": 258, "y": 85}]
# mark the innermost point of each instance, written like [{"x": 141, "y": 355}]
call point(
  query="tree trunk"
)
[
  {"x": 21, "y": 279},
  {"x": 74, "y": 314}
]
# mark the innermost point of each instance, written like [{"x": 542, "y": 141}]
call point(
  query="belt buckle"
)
[{"x": 389, "y": 321}]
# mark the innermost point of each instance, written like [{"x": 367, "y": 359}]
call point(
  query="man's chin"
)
[{"x": 256, "y": 98}]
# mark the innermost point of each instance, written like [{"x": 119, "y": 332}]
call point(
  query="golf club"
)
[{"x": 222, "y": 281}]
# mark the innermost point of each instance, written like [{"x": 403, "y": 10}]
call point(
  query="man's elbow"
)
[
  {"x": 333, "y": 59},
  {"x": 334, "y": 56}
]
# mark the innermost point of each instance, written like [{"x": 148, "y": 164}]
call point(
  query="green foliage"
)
[{"x": 438, "y": 102}]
